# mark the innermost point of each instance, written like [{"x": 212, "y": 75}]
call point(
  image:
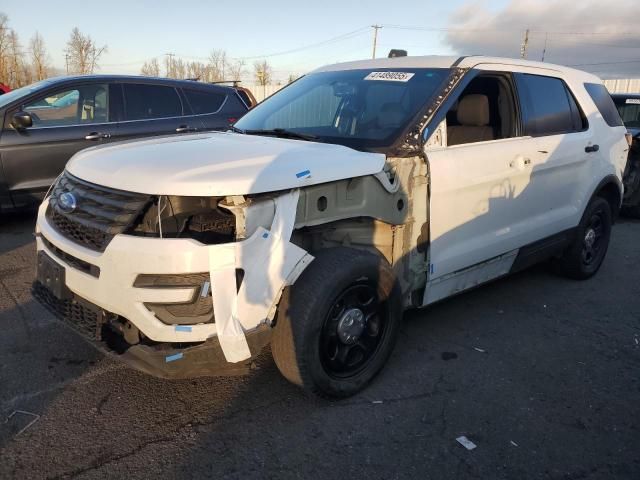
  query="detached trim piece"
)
[{"x": 270, "y": 262}]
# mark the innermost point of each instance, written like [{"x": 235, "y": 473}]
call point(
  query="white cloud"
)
[{"x": 599, "y": 36}]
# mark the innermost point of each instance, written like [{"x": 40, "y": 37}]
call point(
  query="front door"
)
[
  {"x": 65, "y": 121},
  {"x": 481, "y": 199}
]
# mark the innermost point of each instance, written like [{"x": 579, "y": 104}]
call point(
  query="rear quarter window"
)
[
  {"x": 601, "y": 97},
  {"x": 204, "y": 102}
]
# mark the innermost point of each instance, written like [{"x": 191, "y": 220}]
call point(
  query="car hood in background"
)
[{"x": 219, "y": 164}]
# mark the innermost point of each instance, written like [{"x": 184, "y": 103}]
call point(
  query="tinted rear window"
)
[
  {"x": 604, "y": 102},
  {"x": 151, "y": 101},
  {"x": 548, "y": 107},
  {"x": 204, "y": 102}
]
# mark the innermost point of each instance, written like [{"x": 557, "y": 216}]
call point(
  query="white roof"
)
[{"x": 437, "y": 61}]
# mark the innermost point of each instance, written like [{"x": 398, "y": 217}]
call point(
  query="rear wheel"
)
[
  {"x": 338, "y": 324},
  {"x": 585, "y": 255}
]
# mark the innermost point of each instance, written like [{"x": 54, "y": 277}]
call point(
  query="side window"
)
[
  {"x": 151, "y": 101},
  {"x": 548, "y": 107},
  {"x": 484, "y": 111},
  {"x": 81, "y": 105},
  {"x": 204, "y": 102},
  {"x": 600, "y": 96}
]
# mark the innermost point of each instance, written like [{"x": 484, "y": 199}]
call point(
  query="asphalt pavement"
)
[{"x": 539, "y": 372}]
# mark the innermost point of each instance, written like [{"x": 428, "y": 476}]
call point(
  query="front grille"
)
[
  {"x": 82, "y": 318},
  {"x": 100, "y": 213},
  {"x": 81, "y": 265}
]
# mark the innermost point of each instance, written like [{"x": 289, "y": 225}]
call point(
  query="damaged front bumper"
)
[
  {"x": 164, "y": 360},
  {"x": 106, "y": 286}
]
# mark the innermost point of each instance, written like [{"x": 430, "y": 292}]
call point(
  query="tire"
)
[
  {"x": 320, "y": 342},
  {"x": 583, "y": 258}
]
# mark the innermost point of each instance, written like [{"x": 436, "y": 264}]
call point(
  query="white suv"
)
[{"x": 358, "y": 191}]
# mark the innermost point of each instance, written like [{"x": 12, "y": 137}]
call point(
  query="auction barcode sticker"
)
[
  {"x": 390, "y": 76},
  {"x": 635, "y": 101}
]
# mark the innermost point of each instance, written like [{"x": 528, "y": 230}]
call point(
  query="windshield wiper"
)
[{"x": 279, "y": 132}]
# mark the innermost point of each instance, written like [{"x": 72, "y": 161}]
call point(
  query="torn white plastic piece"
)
[
  {"x": 223, "y": 278},
  {"x": 270, "y": 262},
  {"x": 466, "y": 443}
]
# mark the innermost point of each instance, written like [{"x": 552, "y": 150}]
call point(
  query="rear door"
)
[
  {"x": 150, "y": 110},
  {"x": 214, "y": 107},
  {"x": 564, "y": 150},
  {"x": 66, "y": 119}
]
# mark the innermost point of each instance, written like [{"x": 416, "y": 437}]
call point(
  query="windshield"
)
[
  {"x": 7, "y": 98},
  {"x": 630, "y": 112},
  {"x": 362, "y": 109}
]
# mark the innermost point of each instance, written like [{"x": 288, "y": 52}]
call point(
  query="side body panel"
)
[{"x": 489, "y": 199}]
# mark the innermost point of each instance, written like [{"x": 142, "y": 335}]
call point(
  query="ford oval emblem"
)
[{"x": 67, "y": 202}]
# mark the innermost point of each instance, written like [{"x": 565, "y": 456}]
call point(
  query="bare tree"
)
[
  {"x": 82, "y": 53},
  {"x": 39, "y": 57},
  {"x": 236, "y": 70},
  {"x": 4, "y": 42},
  {"x": 151, "y": 68},
  {"x": 174, "y": 67},
  {"x": 218, "y": 65},
  {"x": 19, "y": 72},
  {"x": 263, "y": 72}
]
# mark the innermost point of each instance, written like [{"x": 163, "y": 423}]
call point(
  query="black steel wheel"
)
[
  {"x": 353, "y": 330},
  {"x": 337, "y": 325},
  {"x": 585, "y": 255}
]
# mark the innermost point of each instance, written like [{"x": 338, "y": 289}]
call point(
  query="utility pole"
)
[
  {"x": 544, "y": 50},
  {"x": 66, "y": 63},
  {"x": 260, "y": 75},
  {"x": 525, "y": 44},
  {"x": 375, "y": 38},
  {"x": 170, "y": 64}
]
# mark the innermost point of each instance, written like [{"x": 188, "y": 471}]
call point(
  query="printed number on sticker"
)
[{"x": 390, "y": 76}]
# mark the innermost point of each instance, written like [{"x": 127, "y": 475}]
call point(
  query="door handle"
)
[
  {"x": 97, "y": 136},
  {"x": 591, "y": 148},
  {"x": 184, "y": 129},
  {"x": 520, "y": 162}
]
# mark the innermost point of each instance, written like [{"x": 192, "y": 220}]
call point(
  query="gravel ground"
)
[{"x": 540, "y": 372}]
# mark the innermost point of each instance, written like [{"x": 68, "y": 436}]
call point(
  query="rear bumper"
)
[{"x": 158, "y": 359}]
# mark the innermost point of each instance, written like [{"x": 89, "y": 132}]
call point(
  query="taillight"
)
[{"x": 232, "y": 120}]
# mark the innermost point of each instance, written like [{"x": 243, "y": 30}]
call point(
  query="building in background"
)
[{"x": 623, "y": 85}]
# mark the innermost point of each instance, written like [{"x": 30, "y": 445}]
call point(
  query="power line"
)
[
  {"x": 344, "y": 36},
  {"x": 603, "y": 63}
]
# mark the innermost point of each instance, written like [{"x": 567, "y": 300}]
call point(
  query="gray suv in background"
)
[{"x": 45, "y": 123}]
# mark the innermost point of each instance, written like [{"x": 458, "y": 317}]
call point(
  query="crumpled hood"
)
[{"x": 219, "y": 164}]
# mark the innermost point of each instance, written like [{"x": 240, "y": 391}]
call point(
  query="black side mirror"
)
[{"x": 22, "y": 120}]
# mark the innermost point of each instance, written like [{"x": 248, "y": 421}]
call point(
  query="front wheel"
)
[
  {"x": 337, "y": 325},
  {"x": 585, "y": 255}
]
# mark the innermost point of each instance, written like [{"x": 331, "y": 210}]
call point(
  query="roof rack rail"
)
[{"x": 234, "y": 82}]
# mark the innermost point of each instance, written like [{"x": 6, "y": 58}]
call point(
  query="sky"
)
[{"x": 295, "y": 37}]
